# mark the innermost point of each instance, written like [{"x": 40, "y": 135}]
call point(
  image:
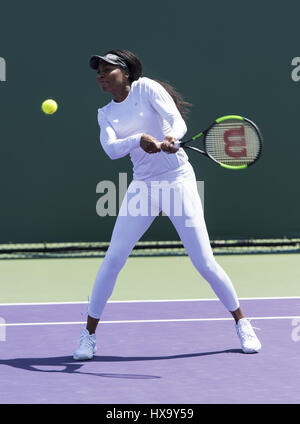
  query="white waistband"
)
[{"x": 185, "y": 172}]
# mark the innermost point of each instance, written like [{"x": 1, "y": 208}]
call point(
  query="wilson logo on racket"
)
[
  {"x": 231, "y": 141},
  {"x": 235, "y": 142}
]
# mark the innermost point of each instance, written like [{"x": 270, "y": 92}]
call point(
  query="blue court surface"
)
[{"x": 177, "y": 351}]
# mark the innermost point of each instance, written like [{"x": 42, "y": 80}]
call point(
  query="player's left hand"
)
[{"x": 167, "y": 145}]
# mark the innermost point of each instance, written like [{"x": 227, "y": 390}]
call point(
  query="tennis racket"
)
[{"x": 231, "y": 141}]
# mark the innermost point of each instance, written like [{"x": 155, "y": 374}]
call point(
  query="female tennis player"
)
[{"x": 144, "y": 119}]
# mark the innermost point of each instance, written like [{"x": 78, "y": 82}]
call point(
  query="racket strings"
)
[{"x": 233, "y": 143}]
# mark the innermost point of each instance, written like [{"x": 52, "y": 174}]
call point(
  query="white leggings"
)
[{"x": 185, "y": 212}]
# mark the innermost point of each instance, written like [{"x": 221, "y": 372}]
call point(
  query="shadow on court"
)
[{"x": 70, "y": 366}]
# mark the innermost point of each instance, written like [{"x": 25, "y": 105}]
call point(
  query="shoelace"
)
[
  {"x": 86, "y": 340},
  {"x": 247, "y": 333},
  {"x": 247, "y": 336}
]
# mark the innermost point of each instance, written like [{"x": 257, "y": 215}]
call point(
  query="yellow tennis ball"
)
[{"x": 49, "y": 106}]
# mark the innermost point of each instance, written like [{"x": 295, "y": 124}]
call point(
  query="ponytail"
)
[{"x": 181, "y": 104}]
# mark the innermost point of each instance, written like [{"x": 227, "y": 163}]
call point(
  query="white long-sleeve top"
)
[{"x": 147, "y": 109}]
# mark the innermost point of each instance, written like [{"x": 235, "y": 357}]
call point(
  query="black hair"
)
[
  {"x": 135, "y": 72},
  {"x": 181, "y": 104}
]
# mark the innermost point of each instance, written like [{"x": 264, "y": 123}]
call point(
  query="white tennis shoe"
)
[
  {"x": 87, "y": 346},
  {"x": 247, "y": 336}
]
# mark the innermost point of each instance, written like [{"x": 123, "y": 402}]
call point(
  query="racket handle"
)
[{"x": 177, "y": 144}]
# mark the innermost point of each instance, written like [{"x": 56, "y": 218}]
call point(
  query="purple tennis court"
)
[{"x": 171, "y": 352}]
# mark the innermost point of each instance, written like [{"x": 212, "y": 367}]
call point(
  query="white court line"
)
[
  {"x": 145, "y": 301},
  {"x": 21, "y": 324}
]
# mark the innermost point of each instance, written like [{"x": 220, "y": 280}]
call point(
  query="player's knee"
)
[
  {"x": 116, "y": 257},
  {"x": 208, "y": 268}
]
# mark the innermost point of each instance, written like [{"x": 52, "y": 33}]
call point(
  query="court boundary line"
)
[
  {"x": 19, "y": 324},
  {"x": 145, "y": 301}
]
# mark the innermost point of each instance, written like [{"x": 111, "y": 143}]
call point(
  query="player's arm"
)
[
  {"x": 115, "y": 147},
  {"x": 165, "y": 106}
]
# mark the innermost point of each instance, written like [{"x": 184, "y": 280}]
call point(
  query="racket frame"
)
[{"x": 204, "y": 133}]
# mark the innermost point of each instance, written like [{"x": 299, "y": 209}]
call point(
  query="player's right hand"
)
[{"x": 150, "y": 144}]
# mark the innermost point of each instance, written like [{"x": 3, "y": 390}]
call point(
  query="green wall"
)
[{"x": 225, "y": 57}]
